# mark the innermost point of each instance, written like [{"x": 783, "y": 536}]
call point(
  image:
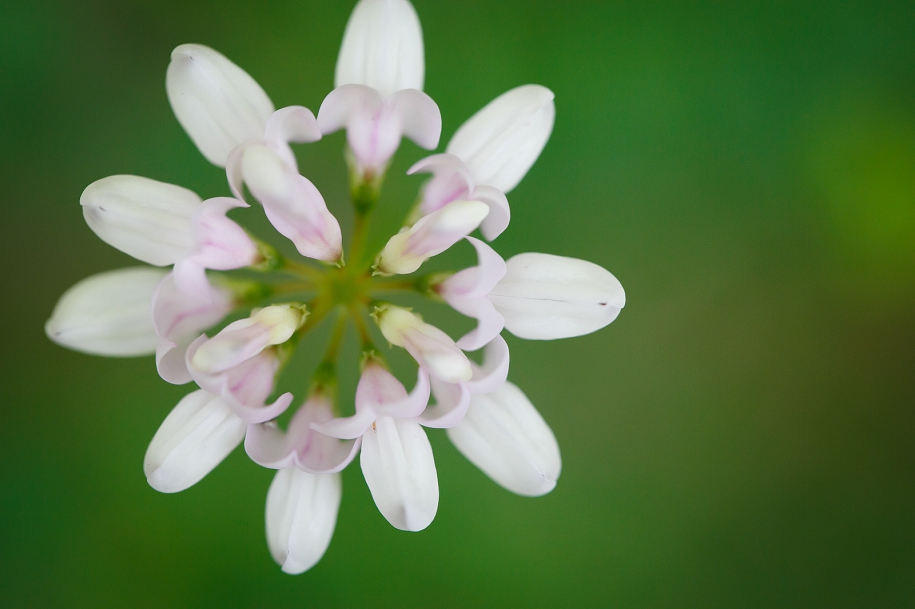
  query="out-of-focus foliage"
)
[{"x": 742, "y": 436}]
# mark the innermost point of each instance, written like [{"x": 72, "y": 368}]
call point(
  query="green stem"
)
[
  {"x": 303, "y": 270},
  {"x": 364, "y": 337},
  {"x": 360, "y": 233}
]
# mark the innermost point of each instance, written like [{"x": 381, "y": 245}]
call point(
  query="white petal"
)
[
  {"x": 218, "y": 104},
  {"x": 499, "y": 212},
  {"x": 194, "y": 438},
  {"x": 505, "y": 436},
  {"x": 546, "y": 297},
  {"x": 295, "y": 124},
  {"x": 143, "y": 218},
  {"x": 418, "y": 115},
  {"x": 399, "y": 469},
  {"x": 492, "y": 374},
  {"x": 301, "y": 516},
  {"x": 501, "y": 142},
  {"x": 108, "y": 314},
  {"x": 452, "y": 401},
  {"x": 382, "y": 47},
  {"x": 451, "y": 181}
]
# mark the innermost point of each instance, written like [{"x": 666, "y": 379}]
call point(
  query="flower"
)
[{"x": 225, "y": 316}]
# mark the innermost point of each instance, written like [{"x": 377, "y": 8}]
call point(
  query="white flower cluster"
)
[{"x": 378, "y": 100}]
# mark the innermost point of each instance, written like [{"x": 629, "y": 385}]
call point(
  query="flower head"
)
[{"x": 226, "y": 317}]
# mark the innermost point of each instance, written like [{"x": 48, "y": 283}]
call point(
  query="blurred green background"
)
[{"x": 742, "y": 436}]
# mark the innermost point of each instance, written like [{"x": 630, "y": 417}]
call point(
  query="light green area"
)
[{"x": 742, "y": 436}]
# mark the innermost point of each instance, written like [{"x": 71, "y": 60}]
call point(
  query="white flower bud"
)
[
  {"x": 143, "y": 218},
  {"x": 504, "y": 435},
  {"x": 430, "y": 236},
  {"x": 546, "y": 297},
  {"x": 218, "y": 104},
  {"x": 108, "y": 314},
  {"x": 301, "y": 517},
  {"x": 194, "y": 438}
]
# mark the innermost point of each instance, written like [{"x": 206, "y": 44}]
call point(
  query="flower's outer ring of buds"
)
[
  {"x": 108, "y": 314},
  {"x": 501, "y": 142},
  {"x": 504, "y": 435},
  {"x": 146, "y": 219},
  {"x": 219, "y": 105},
  {"x": 193, "y": 439},
  {"x": 545, "y": 297},
  {"x": 382, "y": 47},
  {"x": 301, "y": 516},
  {"x": 399, "y": 469}
]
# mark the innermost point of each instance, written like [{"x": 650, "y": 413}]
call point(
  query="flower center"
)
[{"x": 342, "y": 287}]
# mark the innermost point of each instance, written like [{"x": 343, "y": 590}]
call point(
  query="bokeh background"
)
[{"x": 742, "y": 436}]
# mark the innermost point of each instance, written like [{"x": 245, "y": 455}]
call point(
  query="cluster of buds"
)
[{"x": 225, "y": 315}]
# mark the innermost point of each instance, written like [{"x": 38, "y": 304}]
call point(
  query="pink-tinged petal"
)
[
  {"x": 492, "y": 375},
  {"x": 434, "y": 351},
  {"x": 347, "y": 428},
  {"x": 477, "y": 281},
  {"x": 430, "y": 236},
  {"x": 451, "y": 405},
  {"x": 292, "y": 204},
  {"x": 505, "y": 436},
  {"x": 546, "y": 297},
  {"x": 191, "y": 278},
  {"x": 501, "y": 142},
  {"x": 379, "y": 391},
  {"x": 245, "y": 338},
  {"x": 315, "y": 452},
  {"x": 194, "y": 438},
  {"x": 293, "y": 124},
  {"x": 245, "y": 386},
  {"x": 400, "y": 472},
  {"x": 300, "y": 446},
  {"x": 178, "y": 319},
  {"x": 345, "y": 103},
  {"x": 269, "y": 446},
  {"x": 375, "y": 125},
  {"x": 234, "y": 173},
  {"x": 108, "y": 314},
  {"x": 378, "y": 387},
  {"x": 451, "y": 181},
  {"x": 489, "y": 323},
  {"x": 334, "y": 458},
  {"x": 301, "y": 517},
  {"x": 236, "y": 343},
  {"x": 410, "y": 405},
  {"x": 499, "y": 213},
  {"x": 143, "y": 218},
  {"x": 221, "y": 244},
  {"x": 258, "y": 413},
  {"x": 382, "y": 47},
  {"x": 418, "y": 115},
  {"x": 218, "y": 104}
]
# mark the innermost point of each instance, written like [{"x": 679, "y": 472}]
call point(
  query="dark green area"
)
[{"x": 742, "y": 436}]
